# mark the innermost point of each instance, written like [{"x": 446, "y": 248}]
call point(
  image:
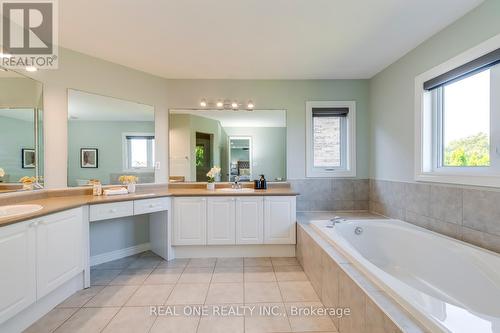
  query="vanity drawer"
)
[
  {"x": 111, "y": 210},
  {"x": 146, "y": 206}
]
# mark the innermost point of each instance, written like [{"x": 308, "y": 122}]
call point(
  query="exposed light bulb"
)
[
  {"x": 220, "y": 104},
  {"x": 250, "y": 105},
  {"x": 234, "y": 105},
  {"x": 31, "y": 69},
  {"x": 203, "y": 103}
]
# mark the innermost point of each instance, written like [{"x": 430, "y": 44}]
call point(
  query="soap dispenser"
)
[{"x": 263, "y": 182}]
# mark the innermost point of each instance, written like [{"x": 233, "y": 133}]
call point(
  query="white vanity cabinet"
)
[
  {"x": 37, "y": 256},
  {"x": 190, "y": 221},
  {"x": 17, "y": 268},
  {"x": 220, "y": 221},
  {"x": 59, "y": 255},
  {"x": 279, "y": 220},
  {"x": 228, "y": 220},
  {"x": 249, "y": 220}
]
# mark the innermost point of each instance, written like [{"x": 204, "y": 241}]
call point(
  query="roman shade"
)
[
  {"x": 472, "y": 67},
  {"x": 330, "y": 112},
  {"x": 144, "y": 137}
]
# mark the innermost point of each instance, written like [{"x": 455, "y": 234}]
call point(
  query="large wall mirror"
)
[
  {"x": 21, "y": 135},
  {"x": 109, "y": 138},
  {"x": 242, "y": 143}
]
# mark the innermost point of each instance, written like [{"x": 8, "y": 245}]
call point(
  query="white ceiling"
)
[
  {"x": 258, "y": 39},
  {"x": 229, "y": 118},
  {"x": 92, "y": 107}
]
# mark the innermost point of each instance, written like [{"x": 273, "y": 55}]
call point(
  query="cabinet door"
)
[
  {"x": 279, "y": 220},
  {"x": 59, "y": 249},
  {"x": 190, "y": 221},
  {"x": 17, "y": 268},
  {"x": 220, "y": 221},
  {"x": 249, "y": 220}
]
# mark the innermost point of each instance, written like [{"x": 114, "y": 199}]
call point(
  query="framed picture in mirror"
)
[
  {"x": 89, "y": 158},
  {"x": 28, "y": 158}
]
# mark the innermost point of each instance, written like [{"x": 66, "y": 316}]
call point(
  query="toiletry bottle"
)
[{"x": 263, "y": 182}]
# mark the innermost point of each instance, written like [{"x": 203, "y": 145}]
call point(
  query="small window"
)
[
  {"x": 330, "y": 139},
  {"x": 138, "y": 151}
]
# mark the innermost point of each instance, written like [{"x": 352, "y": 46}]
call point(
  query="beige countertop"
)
[{"x": 54, "y": 201}]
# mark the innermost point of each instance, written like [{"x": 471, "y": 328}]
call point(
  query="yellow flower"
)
[
  {"x": 27, "y": 180},
  {"x": 126, "y": 179}
]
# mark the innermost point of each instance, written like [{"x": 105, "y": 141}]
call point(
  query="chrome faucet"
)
[
  {"x": 237, "y": 184},
  {"x": 336, "y": 220}
]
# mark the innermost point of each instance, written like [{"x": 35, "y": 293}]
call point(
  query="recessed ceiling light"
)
[
  {"x": 220, "y": 104},
  {"x": 31, "y": 69},
  {"x": 203, "y": 103}
]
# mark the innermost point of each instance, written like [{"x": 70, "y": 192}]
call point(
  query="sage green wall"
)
[
  {"x": 105, "y": 136},
  {"x": 290, "y": 95},
  {"x": 268, "y": 149},
  {"x": 15, "y": 134},
  {"x": 392, "y": 90}
]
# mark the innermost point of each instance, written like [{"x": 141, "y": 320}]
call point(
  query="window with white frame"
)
[
  {"x": 458, "y": 134},
  {"x": 330, "y": 130},
  {"x": 138, "y": 151}
]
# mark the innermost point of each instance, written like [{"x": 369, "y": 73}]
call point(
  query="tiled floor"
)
[{"x": 124, "y": 290}]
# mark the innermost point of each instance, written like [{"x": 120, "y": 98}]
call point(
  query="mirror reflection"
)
[
  {"x": 109, "y": 138},
  {"x": 21, "y": 149},
  {"x": 242, "y": 143}
]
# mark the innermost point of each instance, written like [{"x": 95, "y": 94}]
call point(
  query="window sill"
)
[
  {"x": 331, "y": 174},
  {"x": 473, "y": 180}
]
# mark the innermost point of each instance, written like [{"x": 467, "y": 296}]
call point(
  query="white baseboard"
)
[
  {"x": 118, "y": 254},
  {"x": 261, "y": 250}
]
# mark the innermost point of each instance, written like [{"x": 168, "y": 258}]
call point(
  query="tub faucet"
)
[{"x": 336, "y": 220}]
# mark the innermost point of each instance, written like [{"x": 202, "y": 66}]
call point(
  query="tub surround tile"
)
[
  {"x": 481, "y": 239},
  {"x": 459, "y": 212},
  {"x": 351, "y": 296},
  {"x": 482, "y": 211},
  {"x": 378, "y": 322},
  {"x": 446, "y": 204},
  {"x": 329, "y": 194}
]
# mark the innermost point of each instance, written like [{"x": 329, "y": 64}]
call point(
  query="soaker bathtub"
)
[{"x": 447, "y": 285}]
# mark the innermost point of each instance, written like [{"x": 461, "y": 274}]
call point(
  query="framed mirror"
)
[
  {"x": 109, "y": 138},
  {"x": 21, "y": 132},
  {"x": 242, "y": 143}
]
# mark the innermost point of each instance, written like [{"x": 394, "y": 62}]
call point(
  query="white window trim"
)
[
  {"x": 424, "y": 146},
  {"x": 125, "y": 152},
  {"x": 349, "y": 170}
]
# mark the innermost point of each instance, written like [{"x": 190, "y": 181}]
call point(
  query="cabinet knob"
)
[
  {"x": 113, "y": 210},
  {"x": 33, "y": 224},
  {"x": 151, "y": 205}
]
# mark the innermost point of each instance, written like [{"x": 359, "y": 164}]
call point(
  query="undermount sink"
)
[
  {"x": 235, "y": 190},
  {"x": 15, "y": 210}
]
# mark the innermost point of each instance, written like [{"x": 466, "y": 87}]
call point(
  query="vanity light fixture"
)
[
  {"x": 31, "y": 69},
  {"x": 203, "y": 103},
  {"x": 219, "y": 104},
  {"x": 234, "y": 105},
  {"x": 226, "y": 104},
  {"x": 250, "y": 105}
]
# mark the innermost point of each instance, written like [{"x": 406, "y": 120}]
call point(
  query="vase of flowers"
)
[
  {"x": 129, "y": 181},
  {"x": 211, "y": 175},
  {"x": 28, "y": 182}
]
